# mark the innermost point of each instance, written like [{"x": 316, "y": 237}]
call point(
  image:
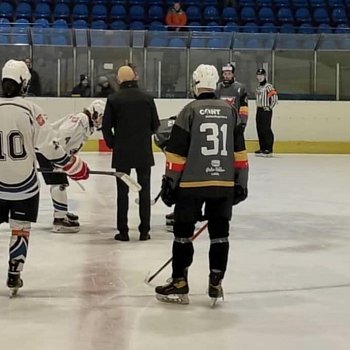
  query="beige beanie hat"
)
[{"x": 125, "y": 73}]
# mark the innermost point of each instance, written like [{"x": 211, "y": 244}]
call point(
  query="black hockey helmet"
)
[
  {"x": 228, "y": 67},
  {"x": 261, "y": 71}
]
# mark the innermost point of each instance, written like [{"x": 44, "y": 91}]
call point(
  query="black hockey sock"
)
[
  {"x": 182, "y": 256},
  {"x": 218, "y": 254}
]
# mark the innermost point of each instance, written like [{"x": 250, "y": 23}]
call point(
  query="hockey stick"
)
[
  {"x": 148, "y": 278},
  {"x": 153, "y": 201},
  {"x": 127, "y": 179}
]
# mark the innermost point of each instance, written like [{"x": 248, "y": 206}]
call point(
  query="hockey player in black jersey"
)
[
  {"x": 23, "y": 130},
  {"x": 233, "y": 92},
  {"x": 206, "y": 167}
]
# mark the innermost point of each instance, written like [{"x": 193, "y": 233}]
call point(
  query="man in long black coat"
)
[{"x": 129, "y": 121}]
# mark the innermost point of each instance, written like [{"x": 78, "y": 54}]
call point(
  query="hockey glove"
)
[
  {"x": 167, "y": 192},
  {"x": 240, "y": 194},
  {"x": 77, "y": 169}
]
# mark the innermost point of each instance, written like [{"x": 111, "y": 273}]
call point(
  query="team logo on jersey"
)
[
  {"x": 40, "y": 120},
  {"x": 230, "y": 100}
]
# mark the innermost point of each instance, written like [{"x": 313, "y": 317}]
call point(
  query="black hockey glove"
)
[
  {"x": 167, "y": 192},
  {"x": 240, "y": 194}
]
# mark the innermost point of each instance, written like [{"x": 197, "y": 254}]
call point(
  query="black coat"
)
[{"x": 130, "y": 119}]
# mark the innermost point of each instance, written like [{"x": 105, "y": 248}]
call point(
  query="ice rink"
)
[{"x": 287, "y": 285}]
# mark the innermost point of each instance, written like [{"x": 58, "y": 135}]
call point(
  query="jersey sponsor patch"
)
[{"x": 40, "y": 120}]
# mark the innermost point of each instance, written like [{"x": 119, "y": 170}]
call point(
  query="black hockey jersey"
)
[
  {"x": 235, "y": 94},
  {"x": 206, "y": 148}
]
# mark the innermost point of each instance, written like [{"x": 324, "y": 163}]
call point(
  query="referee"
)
[{"x": 266, "y": 99}]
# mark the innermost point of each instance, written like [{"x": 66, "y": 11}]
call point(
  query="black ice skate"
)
[
  {"x": 65, "y": 225},
  {"x": 14, "y": 282},
  {"x": 72, "y": 217},
  {"x": 169, "y": 221},
  {"x": 175, "y": 292},
  {"x": 264, "y": 153},
  {"x": 215, "y": 290}
]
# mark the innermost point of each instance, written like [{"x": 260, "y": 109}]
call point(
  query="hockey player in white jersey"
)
[
  {"x": 23, "y": 130},
  {"x": 72, "y": 132}
]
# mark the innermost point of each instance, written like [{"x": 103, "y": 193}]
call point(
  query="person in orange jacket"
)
[{"x": 176, "y": 18}]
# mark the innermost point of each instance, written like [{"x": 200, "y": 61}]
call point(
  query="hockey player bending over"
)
[
  {"x": 23, "y": 130},
  {"x": 206, "y": 167},
  {"x": 72, "y": 131}
]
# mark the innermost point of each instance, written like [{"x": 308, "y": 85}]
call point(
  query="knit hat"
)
[{"x": 125, "y": 73}]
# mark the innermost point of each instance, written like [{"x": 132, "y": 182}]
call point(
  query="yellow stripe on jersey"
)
[
  {"x": 212, "y": 183},
  {"x": 174, "y": 158},
  {"x": 241, "y": 156}
]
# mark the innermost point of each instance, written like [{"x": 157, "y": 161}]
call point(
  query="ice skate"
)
[
  {"x": 14, "y": 282},
  {"x": 215, "y": 290},
  {"x": 65, "y": 225},
  {"x": 175, "y": 292},
  {"x": 265, "y": 154},
  {"x": 72, "y": 217},
  {"x": 169, "y": 222}
]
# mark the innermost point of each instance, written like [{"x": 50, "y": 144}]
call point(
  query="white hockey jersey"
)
[
  {"x": 73, "y": 130},
  {"x": 23, "y": 131}
]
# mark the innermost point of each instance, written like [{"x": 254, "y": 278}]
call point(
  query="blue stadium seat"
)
[
  {"x": 137, "y": 2},
  {"x": 231, "y": 27},
  {"x": 247, "y": 3},
  {"x": 320, "y": 15},
  {"x": 157, "y": 26},
  {"x": 285, "y": 15},
  {"x": 177, "y": 42},
  {"x": 118, "y": 12},
  {"x": 342, "y": 29},
  {"x": 155, "y": 13},
  {"x": 210, "y": 2},
  {"x": 100, "y": 2},
  {"x": 210, "y": 13},
  {"x": 80, "y": 11},
  {"x": 20, "y": 31},
  {"x": 158, "y": 42},
  {"x": 6, "y": 10},
  {"x": 287, "y": 28},
  {"x": 302, "y": 15},
  {"x": 67, "y": 2},
  {"x": 136, "y": 13},
  {"x": 99, "y": 12},
  {"x": 59, "y": 40},
  {"x": 99, "y": 24},
  {"x": 300, "y": 3},
  {"x": 193, "y": 13},
  {"x": 339, "y": 16},
  {"x": 42, "y": 10},
  {"x": 155, "y": 2},
  {"x": 213, "y": 27},
  {"x": 266, "y": 14},
  {"x": 60, "y": 24},
  {"x": 137, "y": 25},
  {"x": 264, "y": 3},
  {"x": 229, "y": 14},
  {"x": 317, "y": 3},
  {"x": 41, "y": 23},
  {"x": 81, "y": 2},
  {"x": 5, "y": 23},
  {"x": 23, "y": 10},
  {"x": 118, "y": 2},
  {"x": 79, "y": 24},
  {"x": 306, "y": 28},
  {"x": 250, "y": 27},
  {"x": 217, "y": 43},
  {"x": 198, "y": 43},
  {"x": 335, "y": 3},
  {"x": 282, "y": 3},
  {"x": 186, "y": 2},
  {"x": 5, "y": 28},
  {"x": 118, "y": 25},
  {"x": 324, "y": 28},
  {"x": 61, "y": 11},
  {"x": 194, "y": 26},
  {"x": 268, "y": 27},
  {"x": 248, "y": 14}
]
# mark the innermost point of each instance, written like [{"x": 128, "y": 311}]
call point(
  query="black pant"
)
[
  {"x": 187, "y": 212},
  {"x": 263, "y": 127},
  {"x": 144, "y": 179},
  {"x": 51, "y": 178}
]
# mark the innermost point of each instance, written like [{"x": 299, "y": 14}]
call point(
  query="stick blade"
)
[{"x": 129, "y": 181}]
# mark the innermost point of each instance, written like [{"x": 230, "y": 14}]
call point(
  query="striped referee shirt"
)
[{"x": 266, "y": 96}]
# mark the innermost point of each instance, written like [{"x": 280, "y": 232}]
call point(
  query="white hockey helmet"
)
[
  {"x": 205, "y": 76},
  {"x": 96, "y": 110},
  {"x": 17, "y": 71}
]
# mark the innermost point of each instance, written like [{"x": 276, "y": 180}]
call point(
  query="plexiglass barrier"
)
[{"x": 301, "y": 66}]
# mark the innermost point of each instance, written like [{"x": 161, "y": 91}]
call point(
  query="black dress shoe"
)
[
  {"x": 122, "y": 237},
  {"x": 145, "y": 236}
]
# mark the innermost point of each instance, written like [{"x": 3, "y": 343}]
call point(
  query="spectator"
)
[
  {"x": 129, "y": 121},
  {"x": 34, "y": 85},
  {"x": 83, "y": 88},
  {"x": 176, "y": 18},
  {"x": 105, "y": 86}
]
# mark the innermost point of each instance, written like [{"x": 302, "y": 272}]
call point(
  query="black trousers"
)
[
  {"x": 144, "y": 179},
  {"x": 188, "y": 210},
  {"x": 263, "y": 127}
]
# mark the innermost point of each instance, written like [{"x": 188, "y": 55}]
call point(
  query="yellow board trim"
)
[{"x": 91, "y": 146}]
